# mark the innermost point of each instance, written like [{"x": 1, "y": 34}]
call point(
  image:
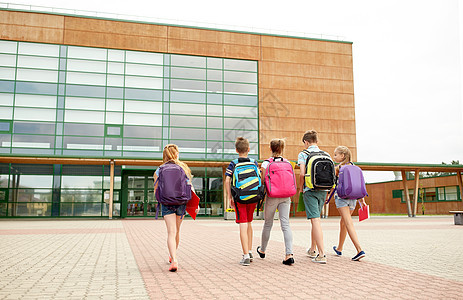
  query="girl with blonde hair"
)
[
  {"x": 346, "y": 207},
  {"x": 173, "y": 214}
]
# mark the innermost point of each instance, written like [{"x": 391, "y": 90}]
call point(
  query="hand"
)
[
  {"x": 363, "y": 202},
  {"x": 197, "y": 210}
]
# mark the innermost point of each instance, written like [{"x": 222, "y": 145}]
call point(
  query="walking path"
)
[{"x": 127, "y": 259}]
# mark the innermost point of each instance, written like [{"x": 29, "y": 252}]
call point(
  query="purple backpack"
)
[
  {"x": 173, "y": 187},
  {"x": 351, "y": 184}
]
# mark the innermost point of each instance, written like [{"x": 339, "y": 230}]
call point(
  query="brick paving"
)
[{"x": 127, "y": 259}]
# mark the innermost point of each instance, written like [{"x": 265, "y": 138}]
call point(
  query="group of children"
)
[{"x": 314, "y": 200}]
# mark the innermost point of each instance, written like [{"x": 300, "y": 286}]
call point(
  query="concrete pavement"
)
[{"x": 127, "y": 259}]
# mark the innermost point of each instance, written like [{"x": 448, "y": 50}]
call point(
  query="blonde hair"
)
[
  {"x": 277, "y": 146},
  {"x": 310, "y": 136},
  {"x": 241, "y": 144},
  {"x": 346, "y": 152},
  {"x": 170, "y": 154}
]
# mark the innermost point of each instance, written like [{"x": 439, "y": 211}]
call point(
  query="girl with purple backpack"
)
[
  {"x": 173, "y": 196},
  {"x": 343, "y": 155},
  {"x": 282, "y": 188}
]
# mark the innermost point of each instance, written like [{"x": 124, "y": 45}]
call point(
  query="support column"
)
[
  {"x": 111, "y": 188},
  {"x": 416, "y": 194},
  {"x": 407, "y": 196},
  {"x": 460, "y": 184}
]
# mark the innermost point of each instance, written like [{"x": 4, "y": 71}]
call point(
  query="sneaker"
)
[
  {"x": 245, "y": 261},
  {"x": 311, "y": 254},
  {"x": 359, "y": 256},
  {"x": 338, "y": 253},
  {"x": 173, "y": 267},
  {"x": 250, "y": 257},
  {"x": 289, "y": 261},
  {"x": 319, "y": 259},
  {"x": 262, "y": 255}
]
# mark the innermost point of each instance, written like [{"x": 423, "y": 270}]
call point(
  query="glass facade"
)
[
  {"x": 69, "y": 101},
  {"x": 58, "y": 100}
]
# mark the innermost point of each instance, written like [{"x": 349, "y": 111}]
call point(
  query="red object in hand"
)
[{"x": 192, "y": 205}]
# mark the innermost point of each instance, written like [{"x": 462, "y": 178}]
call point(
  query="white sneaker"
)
[{"x": 311, "y": 254}]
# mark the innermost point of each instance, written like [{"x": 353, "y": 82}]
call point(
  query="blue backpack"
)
[{"x": 247, "y": 186}]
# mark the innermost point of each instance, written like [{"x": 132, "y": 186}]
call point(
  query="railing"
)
[{"x": 162, "y": 21}]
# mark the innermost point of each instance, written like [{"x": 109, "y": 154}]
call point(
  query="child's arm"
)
[
  {"x": 301, "y": 177},
  {"x": 228, "y": 195},
  {"x": 363, "y": 201}
]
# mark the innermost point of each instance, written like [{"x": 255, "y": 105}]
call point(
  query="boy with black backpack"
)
[
  {"x": 316, "y": 178},
  {"x": 244, "y": 191}
]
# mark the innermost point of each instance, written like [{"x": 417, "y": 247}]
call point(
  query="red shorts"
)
[{"x": 244, "y": 212}]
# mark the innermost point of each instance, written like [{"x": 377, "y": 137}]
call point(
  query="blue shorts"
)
[
  {"x": 345, "y": 202},
  {"x": 179, "y": 210}
]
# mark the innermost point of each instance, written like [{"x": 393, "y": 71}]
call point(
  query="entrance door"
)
[{"x": 138, "y": 194}]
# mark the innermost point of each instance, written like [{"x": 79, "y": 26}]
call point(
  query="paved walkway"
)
[{"x": 127, "y": 259}]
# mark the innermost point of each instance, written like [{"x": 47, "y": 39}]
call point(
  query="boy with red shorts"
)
[{"x": 244, "y": 212}]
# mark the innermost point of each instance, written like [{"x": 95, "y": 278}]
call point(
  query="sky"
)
[{"x": 407, "y": 62}]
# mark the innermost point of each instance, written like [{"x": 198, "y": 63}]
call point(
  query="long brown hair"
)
[
  {"x": 277, "y": 146},
  {"x": 170, "y": 154}
]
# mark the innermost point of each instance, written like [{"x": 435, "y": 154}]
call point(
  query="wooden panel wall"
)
[
  {"x": 303, "y": 84},
  {"x": 381, "y": 201}
]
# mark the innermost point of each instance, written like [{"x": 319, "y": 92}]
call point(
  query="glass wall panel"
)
[
  {"x": 188, "y": 73},
  {"x": 240, "y": 100},
  {"x": 6, "y": 113},
  {"x": 144, "y": 57},
  {"x": 83, "y": 143},
  {"x": 235, "y": 123},
  {"x": 87, "y": 53},
  {"x": 83, "y": 129},
  {"x": 37, "y": 75},
  {"x": 7, "y": 60},
  {"x": 84, "y": 116},
  {"x": 115, "y": 80},
  {"x": 188, "y": 97},
  {"x": 142, "y": 94},
  {"x": 116, "y": 55},
  {"x": 85, "y": 91},
  {"x": 188, "y": 85},
  {"x": 33, "y": 141},
  {"x": 188, "y": 61},
  {"x": 142, "y": 132},
  {"x": 142, "y": 119},
  {"x": 187, "y": 121},
  {"x": 240, "y": 65},
  {"x": 187, "y": 133},
  {"x": 33, "y": 181},
  {"x": 86, "y": 78},
  {"x": 35, "y": 101},
  {"x": 237, "y": 111},
  {"x": 240, "y": 77},
  {"x": 238, "y": 88},
  {"x": 143, "y": 106},
  {"x": 115, "y": 68},
  {"x": 187, "y": 109},
  {"x": 34, "y": 127},
  {"x": 38, "y": 49},
  {"x": 86, "y": 66},
  {"x": 85, "y": 103},
  {"x": 114, "y": 118},
  {"x": 214, "y": 75},
  {"x": 8, "y": 47},
  {"x": 6, "y": 99},
  {"x": 33, "y": 195},
  {"x": 114, "y": 105},
  {"x": 34, "y": 114},
  {"x": 87, "y": 182},
  {"x": 143, "y": 82},
  {"x": 143, "y": 70},
  {"x": 7, "y": 73},
  {"x": 141, "y": 145}
]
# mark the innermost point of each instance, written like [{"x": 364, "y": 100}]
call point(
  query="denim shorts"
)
[
  {"x": 345, "y": 202},
  {"x": 179, "y": 210}
]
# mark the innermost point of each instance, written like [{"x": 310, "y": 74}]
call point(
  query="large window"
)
[
  {"x": 433, "y": 194},
  {"x": 59, "y": 100}
]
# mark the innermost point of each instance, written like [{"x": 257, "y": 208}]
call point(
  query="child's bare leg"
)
[
  {"x": 342, "y": 234},
  {"x": 317, "y": 235},
  {"x": 244, "y": 237},
  {"x": 346, "y": 216},
  {"x": 249, "y": 237}
]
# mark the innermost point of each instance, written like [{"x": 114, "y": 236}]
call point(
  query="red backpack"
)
[{"x": 280, "y": 180}]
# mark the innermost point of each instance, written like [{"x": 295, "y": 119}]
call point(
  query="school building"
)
[{"x": 88, "y": 103}]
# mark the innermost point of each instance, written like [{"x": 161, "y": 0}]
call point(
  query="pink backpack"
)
[{"x": 279, "y": 178}]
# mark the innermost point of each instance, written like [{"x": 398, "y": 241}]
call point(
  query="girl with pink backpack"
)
[{"x": 280, "y": 183}]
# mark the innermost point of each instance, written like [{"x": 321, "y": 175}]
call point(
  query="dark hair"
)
[
  {"x": 241, "y": 144},
  {"x": 310, "y": 136},
  {"x": 277, "y": 146}
]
